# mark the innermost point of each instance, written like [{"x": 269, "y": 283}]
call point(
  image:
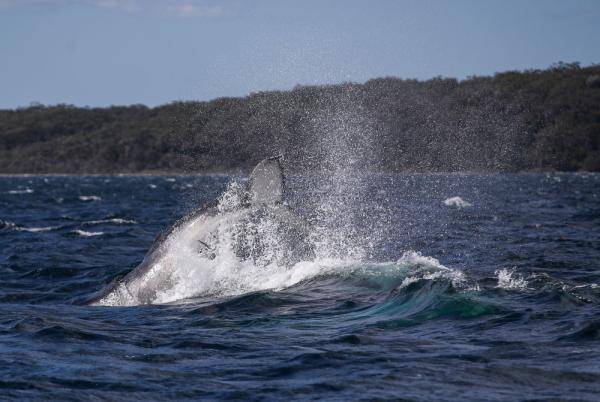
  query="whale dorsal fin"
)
[{"x": 265, "y": 185}]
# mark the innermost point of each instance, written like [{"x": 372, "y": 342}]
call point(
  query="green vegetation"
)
[{"x": 533, "y": 120}]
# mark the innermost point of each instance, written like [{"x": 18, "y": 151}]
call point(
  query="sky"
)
[{"x": 117, "y": 52}]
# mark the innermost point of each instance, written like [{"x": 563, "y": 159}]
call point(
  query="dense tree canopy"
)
[{"x": 532, "y": 120}]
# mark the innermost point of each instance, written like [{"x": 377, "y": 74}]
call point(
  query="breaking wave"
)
[
  {"x": 239, "y": 250},
  {"x": 509, "y": 279},
  {"x": 84, "y": 233},
  {"x": 90, "y": 198},
  {"x": 21, "y": 191},
  {"x": 229, "y": 277},
  {"x": 234, "y": 251},
  {"x": 7, "y": 225},
  {"x": 237, "y": 278},
  {"x": 117, "y": 221},
  {"x": 428, "y": 268},
  {"x": 37, "y": 229}
]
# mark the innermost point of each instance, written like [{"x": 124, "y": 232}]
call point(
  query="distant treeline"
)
[{"x": 514, "y": 121}]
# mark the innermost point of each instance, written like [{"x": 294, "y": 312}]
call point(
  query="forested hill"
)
[{"x": 533, "y": 120}]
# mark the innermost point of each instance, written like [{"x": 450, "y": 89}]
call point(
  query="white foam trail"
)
[
  {"x": 24, "y": 191},
  {"x": 84, "y": 233},
  {"x": 12, "y": 225},
  {"x": 89, "y": 198},
  {"x": 457, "y": 202},
  {"x": 118, "y": 221},
  {"x": 7, "y": 224},
  {"x": 509, "y": 279},
  {"x": 35, "y": 230}
]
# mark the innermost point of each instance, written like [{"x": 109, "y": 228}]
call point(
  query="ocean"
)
[{"x": 423, "y": 287}]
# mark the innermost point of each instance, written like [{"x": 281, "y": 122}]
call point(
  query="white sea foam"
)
[
  {"x": 457, "y": 202},
  {"x": 225, "y": 275},
  {"x": 200, "y": 258},
  {"x": 89, "y": 198},
  {"x": 14, "y": 226},
  {"x": 152, "y": 186},
  {"x": 509, "y": 279},
  {"x": 84, "y": 233},
  {"x": 191, "y": 269},
  {"x": 118, "y": 221},
  {"x": 428, "y": 268},
  {"x": 21, "y": 191},
  {"x": 7, "y": 225},
  {"x": 36, "y": 229}
]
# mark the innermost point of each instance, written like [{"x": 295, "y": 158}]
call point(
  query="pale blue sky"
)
[{"x": 103, "y": 52}]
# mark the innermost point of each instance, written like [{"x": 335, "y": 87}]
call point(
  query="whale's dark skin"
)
[{"x": 263, "y": 195}]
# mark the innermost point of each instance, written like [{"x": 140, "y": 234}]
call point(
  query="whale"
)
[{"x": 251, "y": 223}]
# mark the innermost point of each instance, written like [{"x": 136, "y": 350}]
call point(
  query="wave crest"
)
[{"x": 457, "y": 202}]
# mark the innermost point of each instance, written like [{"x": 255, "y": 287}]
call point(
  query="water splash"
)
[
  {"x": 457, "y": 202},
  {"x": 239, "y": 249},
  {"x": 343, "y": 155},
  {"x": 428, "y": 268},
  {"x": 510, "y": 279}
]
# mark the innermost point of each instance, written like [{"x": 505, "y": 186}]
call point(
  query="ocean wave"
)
[
  {"x": 428, "y": 268},
  {"x": 84, "y": 233},
  {"x": 554, "y": 288},
  {"x": 36, "y": 229},
  {"x": 23, "y": 191},
  {"x": 238, "y": 251},
  {"x": 457, "y": 202},
  {"x": 90, "y": 198},
  {"x": 7, "y": 225},
  {"x": 509, "y": 279},
  {"x": 227, "y": 276},
  {"x": 118, "y": 221}
]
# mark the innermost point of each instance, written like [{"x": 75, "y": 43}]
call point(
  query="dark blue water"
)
[{"x": 509, "y": 311}]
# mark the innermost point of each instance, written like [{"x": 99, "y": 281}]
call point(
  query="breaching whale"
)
[{"x": 250, "y": 223}]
